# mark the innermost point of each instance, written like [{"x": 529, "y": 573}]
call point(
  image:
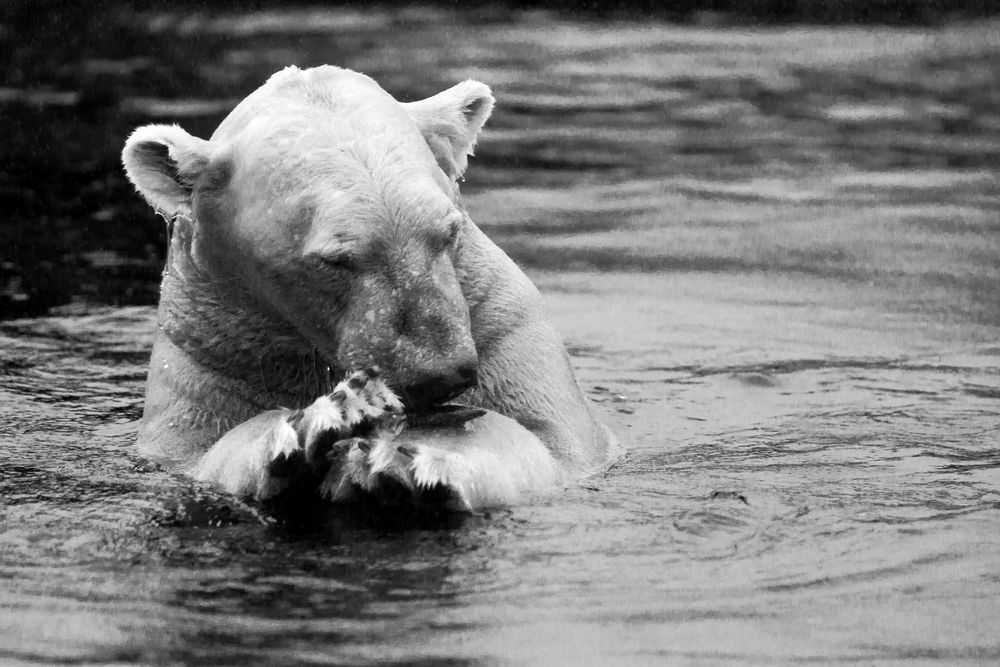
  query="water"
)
[{"x": 774, "y": 257}]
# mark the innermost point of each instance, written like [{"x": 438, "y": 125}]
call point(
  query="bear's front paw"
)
[
  {"x": 358, "y": 406},
  {"x": 281, "y": 449},
  {"x": 413, "y": 474}
]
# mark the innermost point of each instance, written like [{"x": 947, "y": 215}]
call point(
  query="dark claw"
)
[
  {"x": 407, "y": 451},
  {"x": 286, "y": 466},
  {"x": 365, "y": 446},
  {"x": 321, "y": 445},
  {"x": 357, "y": 382},
  {"x": 295, "y": 418},
  {"x": 339, "y": 395},
  {"x": 372, "y": 372},
  {"x": 338, "y": 449}
]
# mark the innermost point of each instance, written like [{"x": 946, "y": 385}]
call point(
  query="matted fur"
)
[{"x": 318, "y": 231}]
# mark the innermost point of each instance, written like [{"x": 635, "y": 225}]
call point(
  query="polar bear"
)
[{"x": 319, "y": 235}]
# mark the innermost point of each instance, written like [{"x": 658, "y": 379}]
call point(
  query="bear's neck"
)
[{"x": 259, "y": 360}]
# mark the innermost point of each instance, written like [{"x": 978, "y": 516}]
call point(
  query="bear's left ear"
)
[
  {"x": 450, "y": 122},
  {"x": 164, "y": 162}
]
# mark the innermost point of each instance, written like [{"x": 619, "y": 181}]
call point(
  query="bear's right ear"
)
[
  {"x": 164, "y": 162},
  {"x": 450, "y": 123}
]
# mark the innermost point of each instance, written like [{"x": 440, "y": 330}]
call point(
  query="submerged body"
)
[{"x": 321, "y": 231}]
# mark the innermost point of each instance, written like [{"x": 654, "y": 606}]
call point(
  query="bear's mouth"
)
[
  {"x": 452, "y": 414},
  {"x": 426, "y": 397}
]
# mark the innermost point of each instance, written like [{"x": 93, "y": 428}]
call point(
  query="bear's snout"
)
[
  {"x": 417, "y": 331},
  {"x": 426, "y": 391}
]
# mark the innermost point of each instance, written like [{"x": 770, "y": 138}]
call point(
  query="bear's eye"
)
[{"x": 339, "y": 262}]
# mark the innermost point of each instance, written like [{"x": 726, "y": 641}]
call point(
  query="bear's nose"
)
[{"x": 428, "y": 391}]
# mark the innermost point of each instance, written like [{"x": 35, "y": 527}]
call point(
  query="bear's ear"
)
[
  {"x": 450, "y": 122},
  {"x": 164, "y": 162}
]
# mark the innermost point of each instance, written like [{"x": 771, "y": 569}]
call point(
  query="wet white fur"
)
[
  {"x": 238, "y": 462},
  {"x": 490, "y": 461},
  {"x": 216, "y": 377},
  {"x": 487, "y": 461}
]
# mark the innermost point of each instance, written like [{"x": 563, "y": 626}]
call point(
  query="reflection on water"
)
[{"x": 774, "y": 258}]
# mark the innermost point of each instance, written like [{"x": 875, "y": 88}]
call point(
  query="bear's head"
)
[{"x": 325, "y": 209}]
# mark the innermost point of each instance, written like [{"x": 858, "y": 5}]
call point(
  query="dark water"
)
[{"x": 775, "y": 256}]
